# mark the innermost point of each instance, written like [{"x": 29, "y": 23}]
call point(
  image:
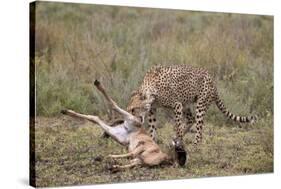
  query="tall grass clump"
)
[{"x": 76, "y": 44}]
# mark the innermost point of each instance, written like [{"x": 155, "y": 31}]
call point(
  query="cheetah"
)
[{"x": 177, "y": 87}]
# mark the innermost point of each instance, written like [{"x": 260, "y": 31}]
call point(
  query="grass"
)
[
  {"x": 77, "y": 43},
  {"x": 70, "y": 151}
]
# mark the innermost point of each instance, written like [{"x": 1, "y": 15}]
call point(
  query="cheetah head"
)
[{"x": 136, "y": 105}]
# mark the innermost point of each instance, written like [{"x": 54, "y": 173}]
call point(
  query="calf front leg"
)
[
  {"x": 133, "y": 153},
  {"x": 114, "y": 105}
]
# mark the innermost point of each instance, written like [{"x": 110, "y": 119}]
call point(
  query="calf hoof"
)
[
  {"x": 181, "y": 155},
  {"x": 113, "y": 168},
  {"x": 105, "y": 135},
  {"x": 98, "y": 158},
  {"x": 96, "y": 82}
]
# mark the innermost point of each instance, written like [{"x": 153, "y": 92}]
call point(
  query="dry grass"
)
[{"x": 73, "y": 152}]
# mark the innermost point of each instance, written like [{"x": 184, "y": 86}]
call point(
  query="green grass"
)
[
  {"x": 76, "y": 44},
  {"x": 68, "y": 152}
]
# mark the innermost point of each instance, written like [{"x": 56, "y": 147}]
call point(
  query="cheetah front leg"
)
[
  {"x": 152, "y": 122},
  {"x": 190, "y": 120},
  {"x": 179, "y": 127}
]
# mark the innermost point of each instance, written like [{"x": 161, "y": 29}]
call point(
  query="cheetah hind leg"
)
[{"x": 202, "y": 106}]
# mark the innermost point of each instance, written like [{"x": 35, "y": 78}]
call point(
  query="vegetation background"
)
[{"x": 77, "y": 43}]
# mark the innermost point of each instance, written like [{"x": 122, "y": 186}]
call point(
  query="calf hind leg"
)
[
  {"x": 133, "y": 163},
  {"x": 112, "y": 131}
]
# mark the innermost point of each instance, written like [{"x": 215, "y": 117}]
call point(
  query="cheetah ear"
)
[{"x": 135, "y": 92}]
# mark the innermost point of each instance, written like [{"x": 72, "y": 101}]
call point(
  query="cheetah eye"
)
[{"x": 133, "y": 110}]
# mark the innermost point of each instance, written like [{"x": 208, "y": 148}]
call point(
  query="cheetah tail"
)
[{"x": 229, "y": 115}]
